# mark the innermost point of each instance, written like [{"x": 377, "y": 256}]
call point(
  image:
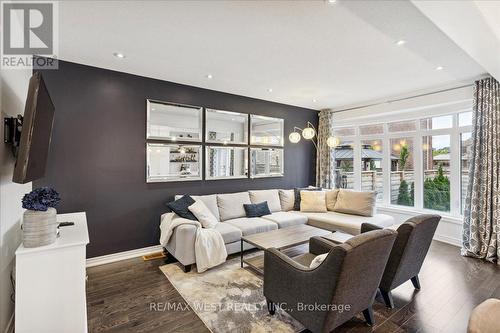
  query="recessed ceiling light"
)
[
  {"x": 209, "y": 76},
  {"x": 314, "y": 100},
  {"x": 439, "y": 68},
  {"x": 270, "y": 90},
  {"x": 400, "y": 42},
  {"x": 119, "y": 55},
  {"x": 331, "y": 1}
]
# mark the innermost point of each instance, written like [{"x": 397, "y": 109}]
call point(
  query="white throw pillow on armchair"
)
[
  {"x": 318, "y": 260},
  {"x": 203, "y": 214}
]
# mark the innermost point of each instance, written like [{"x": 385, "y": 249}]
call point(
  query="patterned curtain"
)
[
  {"x": 325, "y": 162},
  {"x": 481, "y": 229}
]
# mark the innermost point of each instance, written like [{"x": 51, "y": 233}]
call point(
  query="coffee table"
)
[{"x": 280, "y": 239}]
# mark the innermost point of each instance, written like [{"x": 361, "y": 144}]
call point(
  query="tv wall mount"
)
[{"x": 12, "y": 127}]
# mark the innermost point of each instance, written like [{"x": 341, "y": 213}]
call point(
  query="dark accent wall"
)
[{"x": 97, "y": 158}]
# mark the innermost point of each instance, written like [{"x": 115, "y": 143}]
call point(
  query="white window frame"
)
[{"x": 417, "y": 136}]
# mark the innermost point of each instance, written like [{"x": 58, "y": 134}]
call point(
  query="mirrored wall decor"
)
[
  {"x": 226, "y": 162},
  {"x": 266, "y": 162},
  {"x": 266, "y": 131},
  {"x": 172, "y": 162},
  {"x": 226, "y": 127},
  {"x": 168, "y": 121}
]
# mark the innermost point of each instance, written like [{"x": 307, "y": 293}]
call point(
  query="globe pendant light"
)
[
  {"x": 308, "y": 133},
  {"x": 332, "y": 142},
  {"x": 294, "y": 137}
]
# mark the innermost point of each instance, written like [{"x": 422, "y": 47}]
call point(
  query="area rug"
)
[{"x": 229, "y": 298}]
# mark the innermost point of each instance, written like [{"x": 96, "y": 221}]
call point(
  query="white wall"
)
[
  {"x": 14, "y": 88},
  {"x": 450, "y": 227}
]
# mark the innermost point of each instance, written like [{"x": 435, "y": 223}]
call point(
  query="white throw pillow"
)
[
  {"x": 203, "y": 214},
  {"x": 318, "y": 260}
]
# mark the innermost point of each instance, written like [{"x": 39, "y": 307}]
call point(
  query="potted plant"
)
[{"x": 39, "y": 219}]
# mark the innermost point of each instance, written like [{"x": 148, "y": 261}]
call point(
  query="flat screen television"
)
[{"x": 36, "y": 133}]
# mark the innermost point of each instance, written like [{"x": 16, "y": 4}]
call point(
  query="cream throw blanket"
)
[{"x": 209, "y": 247}]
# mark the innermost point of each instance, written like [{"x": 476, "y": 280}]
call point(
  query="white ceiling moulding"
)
[
  {"x": 431, "y": 104},
  {"x": 472, "y": 25}
]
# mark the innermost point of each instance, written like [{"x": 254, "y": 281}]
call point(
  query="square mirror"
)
[
  {"x": 172, "y": 162},
  {"x": 226, "y": 127},
  {"x": 226, "y": 162},
  {"x": 266, "y": 131},
  {"x": 266, "y": 162},
  {"x": 176, "y": 122}
]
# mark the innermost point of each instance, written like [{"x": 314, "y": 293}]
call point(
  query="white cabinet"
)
[{"x": 50, "y": 282}]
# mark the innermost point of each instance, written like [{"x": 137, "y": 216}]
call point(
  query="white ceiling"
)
[{"x": 337, "y": 54}]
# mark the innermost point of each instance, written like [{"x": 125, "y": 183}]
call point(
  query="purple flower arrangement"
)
[{"x": 41, "y": 199}]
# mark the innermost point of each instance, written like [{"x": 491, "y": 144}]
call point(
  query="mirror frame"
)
[
  {"x": 208, "y": 177},
  {"x": 282, "y": 123},
  {"x": 247, "y": 121},
  {"x": 282, "y": 171},
  {"x": 150, "y": 179},
  {"x": 169, "y": 138}
]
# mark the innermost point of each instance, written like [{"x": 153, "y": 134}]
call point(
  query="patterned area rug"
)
[{"x": 229, "y": 298}]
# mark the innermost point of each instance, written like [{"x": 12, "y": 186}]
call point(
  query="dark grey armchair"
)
[
  {"x": 408, "y": 253},
  {"x": 344, "y": 284}
]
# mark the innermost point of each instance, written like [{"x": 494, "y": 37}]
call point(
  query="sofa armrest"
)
[
  {"x": 365, "y": 227},
  {"x": 319, "y": 245}
]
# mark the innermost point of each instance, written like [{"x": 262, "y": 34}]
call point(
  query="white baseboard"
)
[
  {"x": 10, "y": 325},
  {"x": 109, "y": 258},
  {"x": 448, "y": 240}
]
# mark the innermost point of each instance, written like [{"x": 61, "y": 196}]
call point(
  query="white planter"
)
[{"x": 39, "y": 228}]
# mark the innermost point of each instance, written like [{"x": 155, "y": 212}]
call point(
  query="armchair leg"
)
[
  {"x": 387, "y": 296},
  {"x": 368, "y": 314},
  {"x": 416, "y": 282},
  {"x": 271, "y": 307}
]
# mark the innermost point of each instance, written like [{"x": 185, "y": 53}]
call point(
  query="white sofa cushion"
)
[
  {"x": 252, "y": 225},
  {"x": 312, "y": 201},
  {"x": 350, "y": 224},
  {"x": 356, "y": 202},
  {"x": 203, "y": 214},
  {"x": 231, "y": 205},
  {"x": 318, "y": 260},
  {"x": 286, "y": 219},
  {"x": 331, "y": 199},
  {"x": 209, "y": 200},
  {"x": 229, "y": 232},
  {"x": 287, "y": 199},
  {"x": 271, "y": 196}
]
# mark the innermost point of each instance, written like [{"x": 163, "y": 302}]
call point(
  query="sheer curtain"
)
[
  {"x": 481, "y": 229},
  {"x": 325, "y": 161}
]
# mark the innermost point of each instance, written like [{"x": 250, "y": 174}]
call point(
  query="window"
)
[
  {"x": 344, "y": 159},
  {"x": 402, "y": 174},
  {"x": 402, "y": 126},
  {"x": 371, "y": 167},
  {"x": 371, "y": 129},
  {"x": 416, "y": 163},
  {"x": 436, "y": 167},
  {"x": 465, "y": 147},
  {"x": 465, "y": 119},
  {"x": 436, "y": 122}
]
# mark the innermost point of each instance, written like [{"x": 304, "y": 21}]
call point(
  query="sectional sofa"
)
[{"x": 229, "y": 211}]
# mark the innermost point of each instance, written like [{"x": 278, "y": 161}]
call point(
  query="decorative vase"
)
[{"x": 39, "y": 227}]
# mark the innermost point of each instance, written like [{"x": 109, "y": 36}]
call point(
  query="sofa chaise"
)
[{"x": 229, "y": 211}]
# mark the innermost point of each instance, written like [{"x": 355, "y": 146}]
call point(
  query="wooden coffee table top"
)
[{"x": 284, "y": 238}]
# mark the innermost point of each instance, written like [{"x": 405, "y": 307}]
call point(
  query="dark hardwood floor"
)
[{"x": 119, "y": 298}]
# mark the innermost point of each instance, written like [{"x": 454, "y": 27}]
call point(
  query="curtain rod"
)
[{"x": 402, "y": 99}]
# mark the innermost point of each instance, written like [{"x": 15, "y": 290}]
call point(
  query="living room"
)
[{"x": 250, "y": 166}]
